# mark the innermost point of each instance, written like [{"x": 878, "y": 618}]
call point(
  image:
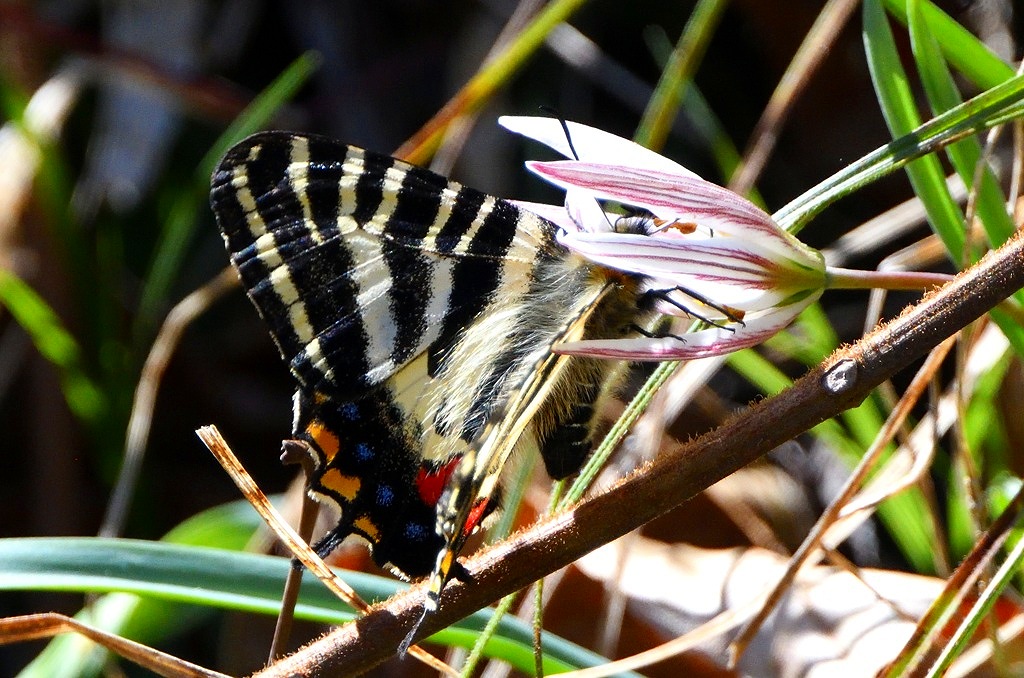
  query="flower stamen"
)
[{"x": 684, "y": 227}]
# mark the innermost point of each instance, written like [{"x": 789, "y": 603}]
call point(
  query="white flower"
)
[{"x": 712, "y": 253}]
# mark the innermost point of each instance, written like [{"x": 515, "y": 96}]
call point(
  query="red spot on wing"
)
[
  {"x": 431, "y": 480},
  {"x": 430, "y": 483},
  {"x": 481, "y": 509}
]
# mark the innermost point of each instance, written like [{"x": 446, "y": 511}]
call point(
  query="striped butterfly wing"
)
[
  {"x": 389, "y": 291},
  {"x": 359, "y": 262}
]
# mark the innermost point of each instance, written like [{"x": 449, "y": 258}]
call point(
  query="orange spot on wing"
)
[
  {"x": 437, "y": 583},
  {"x": 367, "y": 528},
  {"x": 347, "y": 487},
  {"x": 325, "y": 439}
]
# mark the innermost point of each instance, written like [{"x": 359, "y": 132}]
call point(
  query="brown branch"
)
[
  {"x": 51, "y": 624},
  {"x": 179, "y": 319},
  {"x": 840, "y": 383}
]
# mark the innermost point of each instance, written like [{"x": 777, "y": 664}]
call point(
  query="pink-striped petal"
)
[
  {"x": 733, "y": 272},
  {"x": 667, "y": 196},
  {"x": 699, "y": 248}
]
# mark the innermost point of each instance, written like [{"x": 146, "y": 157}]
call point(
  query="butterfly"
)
[{"x": 417, "y": 317}]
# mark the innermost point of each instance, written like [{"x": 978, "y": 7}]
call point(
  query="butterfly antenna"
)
[
  {"x": 568, "y": 139},
  {"x": 411, "y": 636},
  {"x": 565, "y": 127}
]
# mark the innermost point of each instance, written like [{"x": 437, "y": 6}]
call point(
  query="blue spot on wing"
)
[
  {"x": 385, "y": 495},
  {"x": 363, "y": 452},
  {"x": 417, "y": 532}
]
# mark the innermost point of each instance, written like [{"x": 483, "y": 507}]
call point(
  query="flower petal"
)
[
  {"x": 572, "y": 218},
  {"x": 701, "y": 344},
  {"x": 704, "y": 244},
  {"x": 667, "y": 196},
  {"x": 733, "y": 272},
  {"x": 587, "y": 212},
  {"x": 556, "y": 214},
  {"x": 592, "y": 145}
]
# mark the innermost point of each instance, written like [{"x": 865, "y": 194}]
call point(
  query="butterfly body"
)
[{"x": 417, "y": 317}]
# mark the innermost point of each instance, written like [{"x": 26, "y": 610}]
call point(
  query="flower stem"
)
[{"x": 852, "y": 279}]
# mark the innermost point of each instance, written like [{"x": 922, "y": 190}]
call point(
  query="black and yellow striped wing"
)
[
  {"x": 342, "y": 248},
  {"x": 417, "y": 316}
]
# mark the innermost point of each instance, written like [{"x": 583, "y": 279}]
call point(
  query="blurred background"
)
[{"x": 109, "y": 109}]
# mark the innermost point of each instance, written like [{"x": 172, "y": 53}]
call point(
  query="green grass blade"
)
[
  {"x": 900, "y": 111},
  {"x": 969, "y": 55},
  {"x": 966, "y": 155},
  {"x": 991, "y": 107},
  {"x": 493, "y": 74},
  {"x": 55, "y": 344},
  {"x": 238, "y": 581},
  {"x": 664, "y": 105},
  {"x": 979, "y": 611}
]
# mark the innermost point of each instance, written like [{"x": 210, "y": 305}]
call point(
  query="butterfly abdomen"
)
[{"x": 565, "y": 425}]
